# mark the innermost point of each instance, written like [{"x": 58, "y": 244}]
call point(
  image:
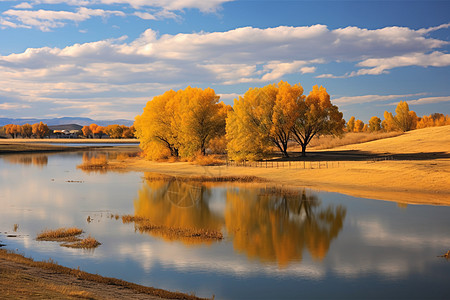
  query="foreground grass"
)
[{"x": 24, "y": 278}]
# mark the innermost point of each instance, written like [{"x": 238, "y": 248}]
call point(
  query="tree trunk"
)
[{"x": 303, "y": 150}]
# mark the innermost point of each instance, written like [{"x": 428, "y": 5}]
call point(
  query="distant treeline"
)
[
  {"x": 404, "y": 120},
  {"x": 41, "y": 130}
]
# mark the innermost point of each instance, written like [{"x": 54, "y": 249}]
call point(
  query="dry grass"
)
[
  {"x": 86, "y": 243},
  {"x": 60, "y": 234},
  {"x": 23, "y": 285},
  {"x": 145, "y": 225},
  {"x": 94, "y": 163},
  {"x": 243, "y": 179},
  {"x": 208, "y": 160},
  {"x": 329, "y": 142},
  {"x": 70, "y": 238}
]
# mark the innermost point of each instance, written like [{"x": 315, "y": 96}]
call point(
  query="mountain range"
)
[{"x": 65, "y": 120}]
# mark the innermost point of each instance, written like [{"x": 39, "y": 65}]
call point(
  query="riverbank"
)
[
  {"x": 10, "y": 146},
  {"x": 413, "y": 168},
  {"x": 24, "y": 278}
]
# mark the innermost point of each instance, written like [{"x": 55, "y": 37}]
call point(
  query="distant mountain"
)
[{"x": 65, "y": 120}]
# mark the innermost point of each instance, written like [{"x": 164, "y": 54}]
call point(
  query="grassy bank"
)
[
  {"x": 417, "y": 171},
  {"x": 24, "y": 278}
]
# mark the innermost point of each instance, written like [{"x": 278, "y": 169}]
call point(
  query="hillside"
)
[{"x": 426, "y": 140}]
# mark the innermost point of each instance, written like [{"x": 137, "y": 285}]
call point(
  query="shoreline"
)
[{"x": 24, "y": 278}]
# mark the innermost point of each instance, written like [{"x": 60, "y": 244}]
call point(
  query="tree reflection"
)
[
  {"x": 177, "y": 204},
  {"x": 276, "y": 225},
  {"x": 268, "y": 224},
  {"x": 38, "y": 160}
]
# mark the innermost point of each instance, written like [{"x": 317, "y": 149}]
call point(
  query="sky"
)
[{"x": 104, "y": 59}]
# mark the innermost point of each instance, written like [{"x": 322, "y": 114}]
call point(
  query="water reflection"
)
[
  {"x": 177, "y": 204},
  {"x": 39, "y": 160},
  {"x": 267, "y": 224}
]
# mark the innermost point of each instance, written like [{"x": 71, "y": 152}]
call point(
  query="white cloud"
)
[
  {"x": 241, "y": 55},
  {"x": 428, "y": 100},
  {"x": 10, "y": 106},
  {"x": 25, "y": 5},
  {"x": 370, "y": 98},
  {"x": 47, "y": 19}
]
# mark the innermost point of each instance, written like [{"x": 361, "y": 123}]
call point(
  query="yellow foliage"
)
[{"x": 180, "y": 123}]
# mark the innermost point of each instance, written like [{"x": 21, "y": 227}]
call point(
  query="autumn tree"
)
[
  {"x": 99, "y": 131},
  {"x": 351, "y": 124},
  {"x": 40, "y": 129},
  {"x": 404, "y": 120},
  {"x": 263, "y": 118},
  {"x": 114, "y": 131},
  {"x": 26, "y": 130},
  {"x": 12, "y": 129},
  {"x": 86, "y": 131},
  {"x": 359, "y": 126},
  {"x": 436, "y": 119},
  {"x": 317, "y": 117},
  {"x": 128, "y": 132},
  {"x": 374, "y": 124},
  {"x": 180, "y": 123}
]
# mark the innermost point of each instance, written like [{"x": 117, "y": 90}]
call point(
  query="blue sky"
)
[{"x": 104, "y": 59}]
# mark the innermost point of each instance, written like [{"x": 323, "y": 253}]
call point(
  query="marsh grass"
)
[
  {"x": 94, "y": 163},
  {"x": 145, "y": 225},
  {"x": 69, "y": 238},
  {"x": 86, "y": 243},
  {"x": 200, "y": 178},
  {"x": 60, "y": 234}
]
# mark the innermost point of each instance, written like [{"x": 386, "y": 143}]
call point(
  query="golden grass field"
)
[{"x": 419, "y": 172}]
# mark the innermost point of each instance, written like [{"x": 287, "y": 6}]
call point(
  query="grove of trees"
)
[
  {"x": 39, "y": 130},
  {"x": 187, "y": 122},
  {"x": 403, "y": 120}
]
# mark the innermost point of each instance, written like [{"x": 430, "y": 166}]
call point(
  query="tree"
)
[
  {"x": 351, "y": 124},
  {"x": 12, "y": 130},
  {"x": 40, "y": 129},
  {"x": 263, "y": 118},
  {"x": 374, "y": 124},
  {"x": 86, "y": 131},
  {"x": 180, "y": 123},
  {"x": 26, "y": 130},
  {"x": 404, "y": 120},
  {"x": 359, "y": 126},
  {"x": 317, "y": 116},
  {"x": 114, "y": 131},
  {"x": 99, "y": 131}
]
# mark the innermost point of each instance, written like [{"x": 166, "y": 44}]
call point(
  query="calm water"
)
[{"x": 296, "y": 244}]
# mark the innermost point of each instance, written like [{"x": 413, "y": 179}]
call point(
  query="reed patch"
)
[
  {"x": 143, "y": 224},
  {"x": 68, "y": 237}
]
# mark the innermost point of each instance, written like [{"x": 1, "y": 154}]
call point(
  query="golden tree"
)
[
  {"x": 12, "y": 130},
  {"x": 317, "y": 117},
  {"x": 374, "y": 124},
  {"x": 87, "y": 132},
  {"x": 26, "y": 130},
  {"x": 359, "y": 126},
  {"x": 351, "y": 124},
  {"x": 404, "y": 120},
  {"x": 40, "y": 129},
  {"x": 261, "y": 119},
  {"x": 180, "y": 123}
]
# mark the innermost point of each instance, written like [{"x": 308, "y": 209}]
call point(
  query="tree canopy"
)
[{"x": 180, "y": 123}]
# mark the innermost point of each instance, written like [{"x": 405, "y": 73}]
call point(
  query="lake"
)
[{"x": 277, "y": 243}]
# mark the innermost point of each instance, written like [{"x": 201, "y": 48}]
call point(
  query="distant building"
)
[{"x": 65, "y": 131}]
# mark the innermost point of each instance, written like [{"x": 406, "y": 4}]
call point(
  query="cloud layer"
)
[{"x": 112, "y": 71}]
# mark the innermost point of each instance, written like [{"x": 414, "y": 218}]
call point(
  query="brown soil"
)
[{"x": 23, "y": 278}]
